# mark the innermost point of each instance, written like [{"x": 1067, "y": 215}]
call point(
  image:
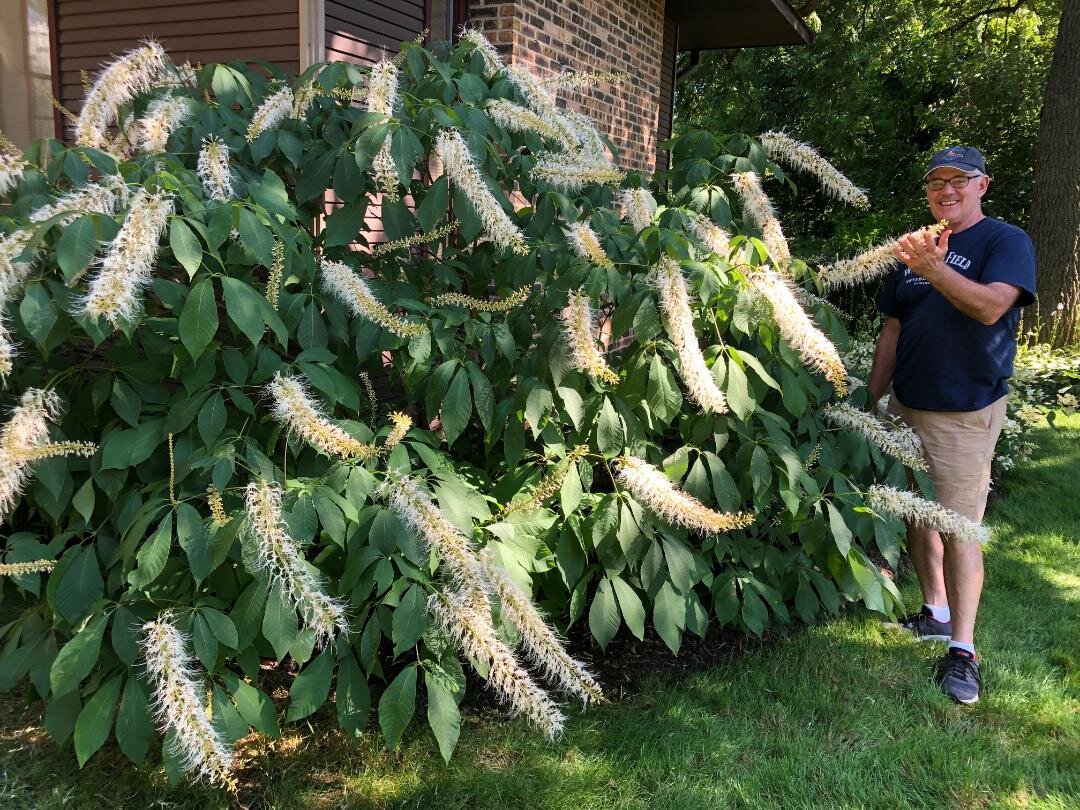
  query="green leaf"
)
[
  {"x": 126, "y": 448},
  {"x": 443, "y": 715},
  {"x": 482, "y": 395},
  {"x": 95, "y": 720},
  {"x": 271, "y": 194},
  {"x": 806, "y": 601},
  {"x": 199, "y": 320},
  {"x": 247, "y": 309},
  {"x": 754, "y": 612},
  {"x": 397, "y": 705},
  {"x": 212, "y": 418},
  {"x": 435, "y": 204},
  {"x": 669, "y": 616},
  {"x": 604, "y": 619},
  {"x": 353, "y": 696},
  {"x": 61, "y": 714},
  {"x": 311, "y": 687},
  {"x": 247, "y": 613},
  {"x": 868, "y": 583},
  {"x": 77, "y": 657},
  {"x": 256, "y": 708},
  {"x": 456, "y": 407},
  {"x": 793, "y": 395},
  {"x": 343, "y": 226},
  {"x": 76, "y": 247},
  {"x": 840, "y": 531},
  {"x": 646, "y": 321},
  {"x": 738, "y": 393},
  {"x": 37, "y": 312},
  {"x": 125, "y": 635},
  {"x": 572, "y": 404},
  {"x": 226, "y": 719},
  {"x": 610, "y": 432},
  {"x": 315, "y": 175},
  {"x": 760, "y": 472},
  {"x": 80, "y": 585},
  {"x": 221, "y": 626},
  {"x": 256, "y": 237},
  {"x": 126, "y": 402},
  {"x": 279, "y": 623},
  {"x": 759, "y": 369},
  {"x": 662, "y": 392},
  {"x": 134, "y": 726},
  {"x": 571, "y": 492},
  {"x": 680, "y": 563},
  {"x": 537, "y": 405},
  {"x": 185, "y": 408},
  {"x": 410, "y": 620},
  {"x": 185, "y": 246},
  {"x": 348, "y": 178},
  {"x": 633, "y": 612},
  {"x": 725, "y": 598},
  {"x": 153, "y": 554},
  {"x": 205, "y": 550}
]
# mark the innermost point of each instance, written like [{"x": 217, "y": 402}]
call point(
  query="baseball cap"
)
[{"x": 965, "y": 158}]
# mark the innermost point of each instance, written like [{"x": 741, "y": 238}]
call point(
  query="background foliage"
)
[{"x": 882, "y": 87}]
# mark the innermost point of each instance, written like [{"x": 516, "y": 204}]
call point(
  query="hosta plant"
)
[{"x": 244, "y": 431}]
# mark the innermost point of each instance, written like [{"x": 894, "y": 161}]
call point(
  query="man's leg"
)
[
  {"x": 963, "y": 583},
  {"x": 958, "y": 671},
  {"x": 927, "y": 557}
]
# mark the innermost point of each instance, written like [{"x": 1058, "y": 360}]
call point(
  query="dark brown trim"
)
[
  {"x": 427, "y": 14},
  {"x": 460, "y": 16},
  {"x": 54, "y": 65}
]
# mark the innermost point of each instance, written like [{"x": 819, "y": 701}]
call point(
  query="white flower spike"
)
[
  {"x": 679, "y": 322},
  {"x": 179, "y": 703},
  {"x": 115, "y": 291},
  {"x": 652, "y": 488},
  {"x": 282, "y": 560},
  {"x": 801, "y": 156}
]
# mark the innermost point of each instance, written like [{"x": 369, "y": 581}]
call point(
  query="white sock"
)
[
  {"x": 962, "y": 646},
  {"x": 940, "y": 614}
]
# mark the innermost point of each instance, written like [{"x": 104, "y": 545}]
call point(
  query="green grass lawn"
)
[{"x": 843, "y": 715}]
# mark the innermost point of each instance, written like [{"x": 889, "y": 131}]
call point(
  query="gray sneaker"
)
[
  {"x": 924, "y": 626},
  {"x": 959, "y": 677}
]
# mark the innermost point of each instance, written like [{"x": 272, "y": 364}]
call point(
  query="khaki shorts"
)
[{"x": 959, "y": 447}]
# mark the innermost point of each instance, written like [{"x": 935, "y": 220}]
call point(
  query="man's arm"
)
[
  {"x": 884, "y": 360},
  {"x": 985, "y": 303}
]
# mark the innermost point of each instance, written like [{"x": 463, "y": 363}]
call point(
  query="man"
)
[{"x": 948, "y": 344}]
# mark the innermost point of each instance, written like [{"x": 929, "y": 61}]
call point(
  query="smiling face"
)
[{"x": 961, "y": 206}]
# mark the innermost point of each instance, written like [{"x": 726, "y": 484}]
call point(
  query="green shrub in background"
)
[{"x": 302, "y": 447}]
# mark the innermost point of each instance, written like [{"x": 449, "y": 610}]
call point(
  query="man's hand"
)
[
  {"x": 985, "y": 303},
  {"x": 920, "y": 253}
]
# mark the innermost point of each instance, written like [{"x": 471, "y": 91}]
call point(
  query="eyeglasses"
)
[{"x": 960, "y": 181}]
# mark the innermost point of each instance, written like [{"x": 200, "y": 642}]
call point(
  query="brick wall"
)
[{"x": 550, "y": 36}]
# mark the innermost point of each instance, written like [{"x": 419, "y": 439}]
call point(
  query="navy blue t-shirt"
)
[{"x": 946, "y": 361}]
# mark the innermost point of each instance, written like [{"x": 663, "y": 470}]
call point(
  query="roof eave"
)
[{"x": 737, "y": 24}]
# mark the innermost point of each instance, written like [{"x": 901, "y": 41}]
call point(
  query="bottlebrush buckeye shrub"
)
[{"x": 555, "y": 396}]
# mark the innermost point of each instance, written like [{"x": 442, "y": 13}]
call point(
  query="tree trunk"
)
[{"x": 1055, "y": 210}]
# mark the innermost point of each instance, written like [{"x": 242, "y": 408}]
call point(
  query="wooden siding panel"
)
[
  {"x": 89, "y": 33},
  {"x": 364, "y": 31},
  {"x": 270, "y": 26}
]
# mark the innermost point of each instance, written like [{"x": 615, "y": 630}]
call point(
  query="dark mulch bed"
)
[{"x": 627, "y": 665}]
